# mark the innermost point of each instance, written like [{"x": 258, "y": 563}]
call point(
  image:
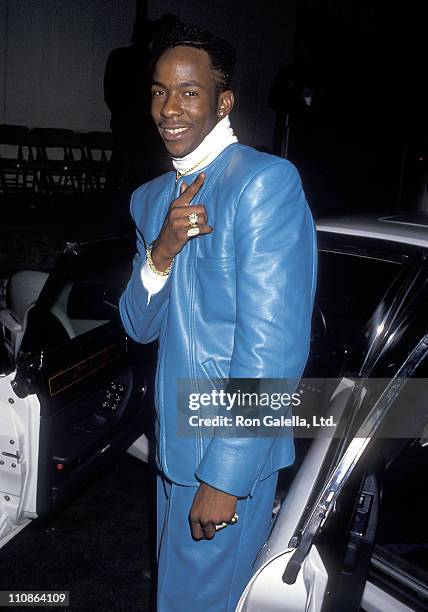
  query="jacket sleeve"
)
[
  {"x": 142, "y": 320},
  {"x": 275, "y": 249}
]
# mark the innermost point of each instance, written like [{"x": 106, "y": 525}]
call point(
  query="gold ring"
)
[
  {"x": 193, "y": 219},
  {"x": 193, "y": 231},
  {"x": 232, "y": 521}
]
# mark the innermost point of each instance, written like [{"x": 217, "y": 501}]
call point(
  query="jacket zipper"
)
[
  {"x": 193, "y": 251},
  {"x": 159, "y": 377}
]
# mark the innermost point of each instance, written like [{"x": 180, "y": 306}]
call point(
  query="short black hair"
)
[{"x": 220, "y": 51}]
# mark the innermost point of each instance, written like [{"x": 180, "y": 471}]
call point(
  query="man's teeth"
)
[{"x": 176, "y": 130}]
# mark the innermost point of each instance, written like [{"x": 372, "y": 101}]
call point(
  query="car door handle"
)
[{"x": 16, "y": 455}]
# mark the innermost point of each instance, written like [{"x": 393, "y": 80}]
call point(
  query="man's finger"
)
[
  {"x": 189, "y": 193},
  {"x": 205, "y": 229},
  {"x": 196, "y": 530},
  {"x": 209, "y": 530},
  {"x": 193, "y": 188}
]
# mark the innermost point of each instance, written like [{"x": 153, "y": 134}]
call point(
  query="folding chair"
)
[
  {"x": 17, "y": 151},
  {"x": 59, "y": 161},
  {"x": 98, "y": 149}
]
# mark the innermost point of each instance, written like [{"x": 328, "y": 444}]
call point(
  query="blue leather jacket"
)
[{"x": 237, "y": 304}]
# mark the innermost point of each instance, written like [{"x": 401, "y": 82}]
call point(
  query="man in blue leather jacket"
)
[{"x": 224, "y": 277}]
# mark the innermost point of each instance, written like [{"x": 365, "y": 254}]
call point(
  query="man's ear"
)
[{"x": 225, "y": 103}]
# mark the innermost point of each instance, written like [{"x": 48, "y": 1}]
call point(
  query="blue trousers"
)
[{"x": 207, "y": 575}]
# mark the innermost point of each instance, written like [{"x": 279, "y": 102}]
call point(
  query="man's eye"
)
[
  {"x": 158, "y": 92},
  {"x": 191, "y": 93}
]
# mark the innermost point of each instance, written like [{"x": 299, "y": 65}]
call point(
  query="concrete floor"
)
[{"x": 99, "y": 547}]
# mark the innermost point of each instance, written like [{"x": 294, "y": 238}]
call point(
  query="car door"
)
[
  {"x": 81, "y": 392},
  {"x": 320, "y": 550}
]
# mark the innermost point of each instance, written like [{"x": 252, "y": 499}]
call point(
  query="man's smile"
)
[{"x": 173, "y": 133}]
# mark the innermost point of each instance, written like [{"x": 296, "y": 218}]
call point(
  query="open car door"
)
[{"x": 81, "y": 392}]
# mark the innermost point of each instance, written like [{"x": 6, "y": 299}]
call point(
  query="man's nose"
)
[{"x": 171, "y": 107}]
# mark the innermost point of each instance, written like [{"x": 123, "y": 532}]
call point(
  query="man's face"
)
[{"x": 185, "y": 105}]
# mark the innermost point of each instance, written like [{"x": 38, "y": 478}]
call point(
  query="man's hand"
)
[
  {"x": 173, "y": 235},
  {"x": 210, "y": 507}
]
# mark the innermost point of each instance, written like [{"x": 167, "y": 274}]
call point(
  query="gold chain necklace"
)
[{"x": 179, "y": 175}]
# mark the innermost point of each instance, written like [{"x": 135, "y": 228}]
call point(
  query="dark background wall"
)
[
  {"x": 52, "y": 58},
  {"x": 360, "y": 145},
  {"x": 366, "y": 132}
]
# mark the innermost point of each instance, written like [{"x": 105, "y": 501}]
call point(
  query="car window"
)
[
  {"x": 349, "y": 289},
  {"x": 354, "y": 283}
]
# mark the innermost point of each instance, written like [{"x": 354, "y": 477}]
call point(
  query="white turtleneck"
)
[{"x": 220, "y": 137}]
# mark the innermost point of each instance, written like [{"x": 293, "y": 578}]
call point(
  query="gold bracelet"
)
[{"x": 152, "y": 265}]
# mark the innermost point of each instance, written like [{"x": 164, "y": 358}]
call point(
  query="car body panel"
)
[
  {"x": 376, "y": 600},
  {"x": 401, "y": 228},
  {"x": 19, "y": 448},
  {"x": 306, "y": 594}
]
